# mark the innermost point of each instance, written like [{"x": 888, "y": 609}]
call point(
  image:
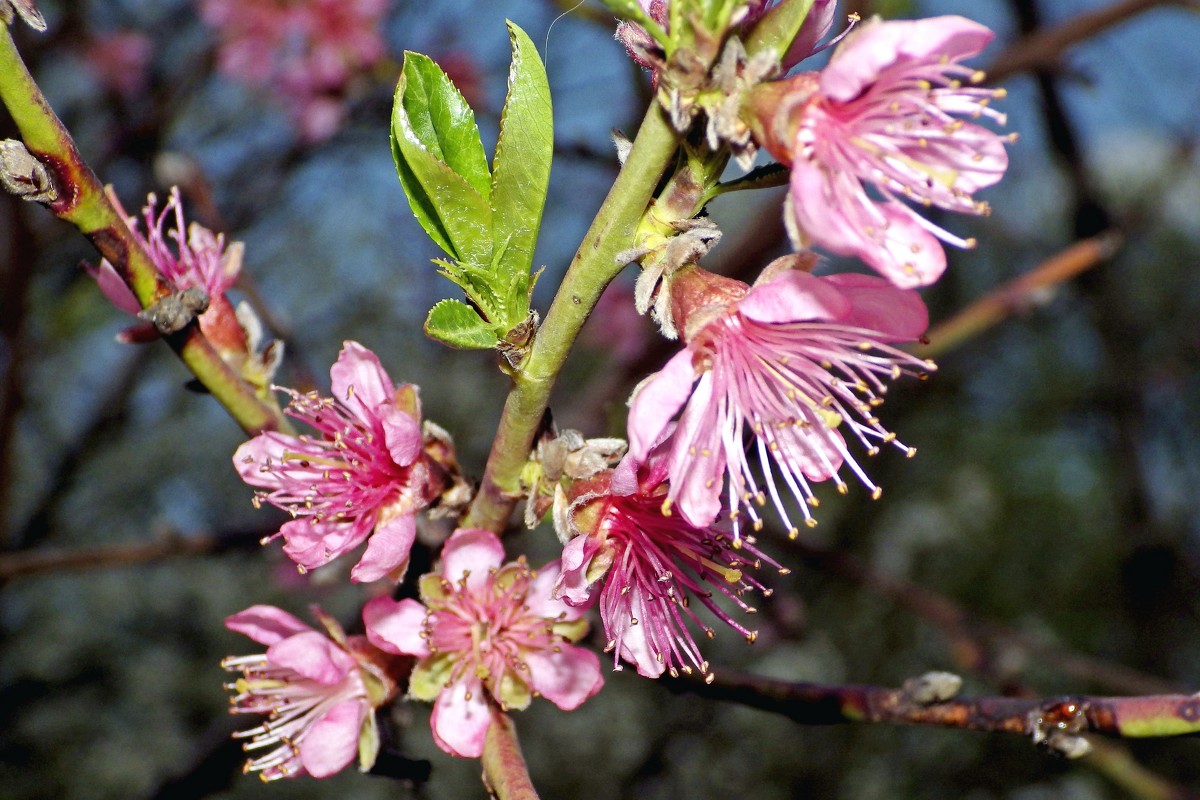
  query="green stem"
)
[
  {"x": 82, "y": 202},
  {"x": 504, "y": 769},
  {"x": 594, "y": 265}
]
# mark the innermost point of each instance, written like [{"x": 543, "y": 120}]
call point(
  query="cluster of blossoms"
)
[
  {"x": 309, "y": 51},
  {"x": 791, "y": 368}
]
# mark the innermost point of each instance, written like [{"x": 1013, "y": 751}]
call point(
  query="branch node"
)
[
  {"x": 174, "y": 312},
  {"x": 1058, "y": 727}
]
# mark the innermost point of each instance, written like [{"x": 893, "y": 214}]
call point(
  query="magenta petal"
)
[
  {"x": 359, "y": 380},
  {"x": 473, "y": 551},
  {"x": 877, "y": 305},
  {"x": 312, "y": 655},
  {"x": 111, "y": 285},
  {"x": 402, "y": 434},
  {"x": 565, "y": 678},
  {"x": 331, "y": 744},
  {"x": 816, "y": 27},
  {"x": 265, "y": 624},
  {"x": 387, "y": 549},
  {"x": 656, "y": 401},
  {"x": 794, "y": 296},
  {"x": 460, "y": 725},
  {"x": 395, "y": 626}
]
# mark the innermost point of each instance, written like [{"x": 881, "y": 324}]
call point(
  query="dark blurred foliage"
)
[{"x": 1054, "y": 494}]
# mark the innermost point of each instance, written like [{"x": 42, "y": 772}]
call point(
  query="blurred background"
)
[{"x": 1045, "y": 540}]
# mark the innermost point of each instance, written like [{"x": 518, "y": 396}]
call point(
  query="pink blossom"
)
[
  {"x": 308, "y": 50},
  {"x": 318, "y": 692},
  {"x": 361, "y": 478},
  {"x": 886, "y": 112},
  {"x": 119, "y": 60},
  {"x": 796, "y": 361},
  {"x": 198, "y": 259},
  {"x": 485, "y": 631},
  {"x": 647, "y": 567}
]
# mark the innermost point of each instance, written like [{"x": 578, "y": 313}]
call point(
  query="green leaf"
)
[
  {"x": 521, "y": 169},
  {"x": 458, "y": 325},
  {"x": 442, "y": 120},
  {"x": 427, "y": 127}
]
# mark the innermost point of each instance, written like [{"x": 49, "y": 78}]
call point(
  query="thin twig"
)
[
  {"x": 1043, "y": 48},
  {"x": 1039, "y": 718},
  {"x": 33, "y": 562}
]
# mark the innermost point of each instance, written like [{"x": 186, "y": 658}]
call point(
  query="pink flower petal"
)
[
  {"x": 877, "y": 45},
  {"x": 816, "y": 27},
  {"x": 359, "y": 380},
  {"x": 565, "y": 678},
  {"x": 656, "y": 401},
  {"x": 395, "y": 626},
  {"x": 114, "y": 288},
  {"x": 460, "y": 725},
  {"x": 473, "y": 551},
  {"x": 877, "y": 305},
  {"x": 331, "y": 744},
  {"x": 265, "y": 624},
  {"x": 402, "y": 434},
  {"x": 541, "y": 598},
  {"x": 312, "y": 655},
  {"x": 265, "y": 449},
  {"x": 794, "y": 296},
  {"x": 571, "y": 584},
  {"x": 387, "y": 549},
  {"x": 314, "y": 544},
  {"x": 698, "y": 457},
  {"x": 634, "y": 646}
]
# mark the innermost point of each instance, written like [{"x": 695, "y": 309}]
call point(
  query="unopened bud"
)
[
  {"x": 25, "y": 10},
  {"x": 21, "y": 173},
  {"x": 174, "y": 312}
]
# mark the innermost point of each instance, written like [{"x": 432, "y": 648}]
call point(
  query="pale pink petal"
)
[
  {"x": 265, "y": 624},
  {"x": 656, "y": 401},
  {"x": 910, "y": 256},
  {"x": 312, "y": 655},
  {"x": 265, "y": 449},
  {"x": 395, "y": 626},
  {"x": 877, "y": 305},
  {"x": 698, "y": 458},
  {"x": 571, "y": 584},
  {"x": 314, "y": 544},
  {"x": 541, "y": 598},
  {"x": 565, "y": 678},
  {"x": 387, "y": 549},
  {"x": 471, "y": 552},
  {"x": 875, "y": 46},
  {"x": 460, "y": 725},
  {"x": 331, "y": 744},
  {"x": 359, "y": 380},
  {"x": 401, "y": 432},
  {"x": 634, "y": 646},
  {"x": 794, "y": 296}
]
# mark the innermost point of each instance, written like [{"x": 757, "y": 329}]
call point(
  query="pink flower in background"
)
[
  {"x": 485, "y": 631},
  {"x": 795, "y": 362},
  {"x": 886, "y": 112},
  {"x": 119, "y": 60},
  {"x": 308, "y": 50},
  {"x": 318, "y": 692},
  {"x": 647, "y": 568},
  {"x": 361, "y": 478},
  {"x": 198, "y": 259}
]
